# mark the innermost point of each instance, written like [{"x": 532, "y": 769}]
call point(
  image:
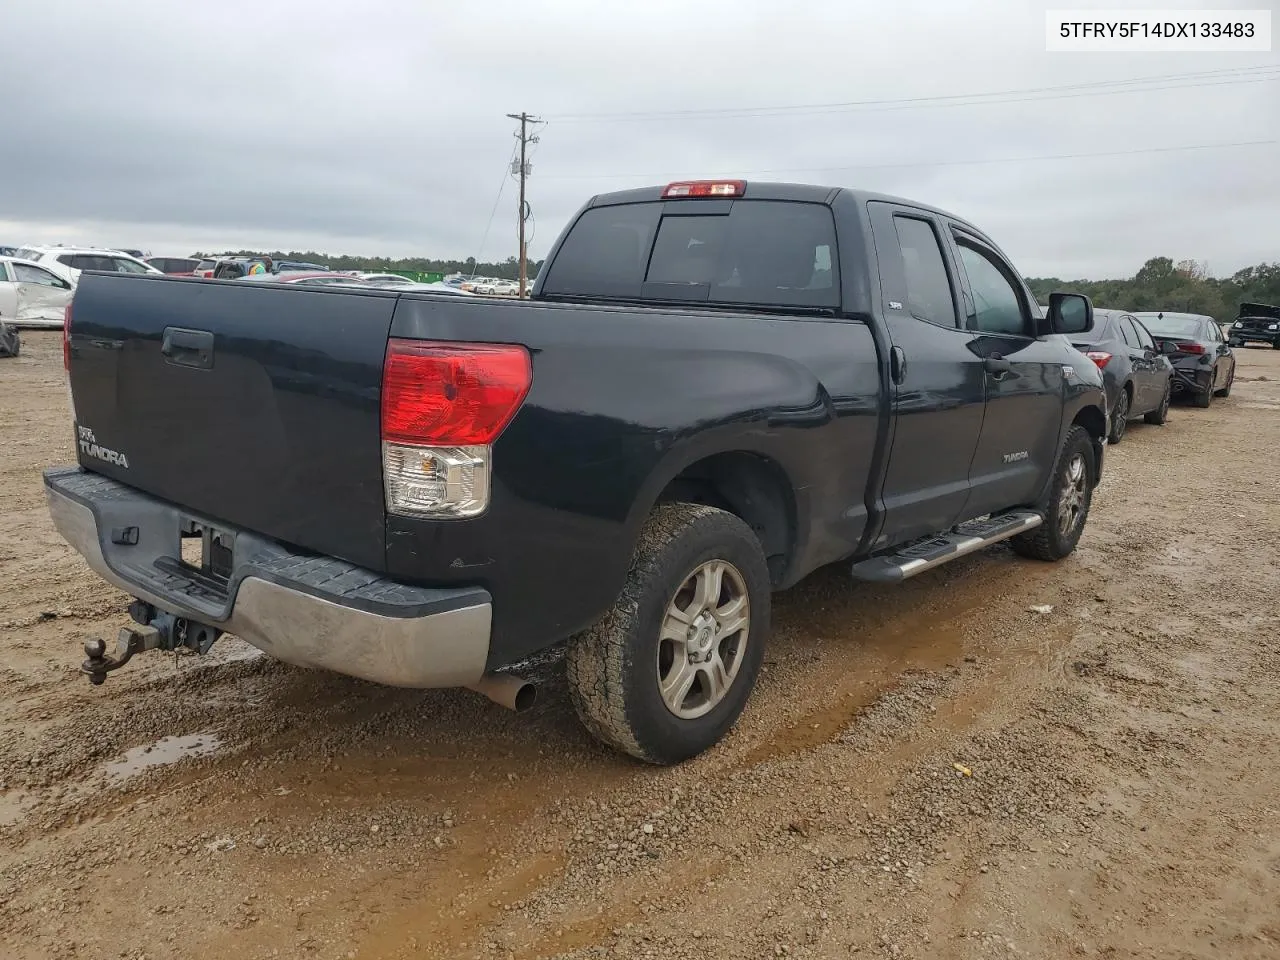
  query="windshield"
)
[{"x": 1171, "y": 326}]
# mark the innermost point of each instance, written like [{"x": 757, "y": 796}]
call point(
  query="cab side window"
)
[
  {"x": 928, "y": 286},
  {"x": 997, "y": 306}
]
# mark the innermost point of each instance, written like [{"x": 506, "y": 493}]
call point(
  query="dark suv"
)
[{"x": 1137, "y": 374}]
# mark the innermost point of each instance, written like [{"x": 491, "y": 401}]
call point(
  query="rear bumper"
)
[
  {"x": 304, "y": 609},
  {"x": 1195, "y": 379},
  {"x": 1254, "y": 336}
]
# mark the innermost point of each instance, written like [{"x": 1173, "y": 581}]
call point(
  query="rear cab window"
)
[{"x": 767, "y": 253}]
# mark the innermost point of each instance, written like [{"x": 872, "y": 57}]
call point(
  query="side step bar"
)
[{"x": 929, "y": 552}]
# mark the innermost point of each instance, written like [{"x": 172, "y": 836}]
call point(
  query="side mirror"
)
[
  {"x": 1168, "y": 347},
  {"x": 1070, "y": 313}
]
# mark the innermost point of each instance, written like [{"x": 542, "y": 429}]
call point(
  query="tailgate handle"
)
[{"x": 188, "y": 348}]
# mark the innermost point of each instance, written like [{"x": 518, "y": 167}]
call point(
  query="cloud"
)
[{"x": 380, "y": 129}]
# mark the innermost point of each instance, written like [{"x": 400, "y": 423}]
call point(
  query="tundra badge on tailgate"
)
[{"x": 90, "y": 447}]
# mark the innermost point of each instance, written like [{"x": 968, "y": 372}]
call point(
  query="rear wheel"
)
[
  {"x": 1120, "y": 417},
  {"x": 1204, "y": 397},
  {"x": 1160, "y": 415},
  {"x": 666, "y": 673},
  {"x": 1067, "y": 508},
  {"x": 1231, "y": 378}
]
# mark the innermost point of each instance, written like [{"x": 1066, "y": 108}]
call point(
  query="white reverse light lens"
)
[{"x": 437, "y": 482}]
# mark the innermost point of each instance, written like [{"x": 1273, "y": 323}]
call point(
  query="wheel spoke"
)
[
  {"x": 717, "y": 678},
  {"x": 676, "y": 685},
  {"x": 706, "y": 592},
  {"x": 733, "y": 616},
  {"x": 675, "y": 627}
]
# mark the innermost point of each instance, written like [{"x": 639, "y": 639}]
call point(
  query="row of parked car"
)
[
  {"x": 37, "y": 282},
  {"x": 1149, "y": 359}
]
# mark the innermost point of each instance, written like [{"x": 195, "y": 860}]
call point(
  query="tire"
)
[
  {"x": 1204, "y": 398},
  {"x": 1120, "y": 417},
  {"x": 1067, "y": 508},
  {"x": 1231, "y": 378},
  {"x": 617, "y": 668},
  {"x": 1235, "y": 343},
  {"x": 1275, "y": 344},
  {"x": 1160, "y": 415}
]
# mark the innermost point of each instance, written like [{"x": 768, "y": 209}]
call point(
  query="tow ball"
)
[
  {"x": 154, "y": 631},
  {"x": 129, "y": 641}
]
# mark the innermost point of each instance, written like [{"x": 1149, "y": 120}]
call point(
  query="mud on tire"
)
[
  {"x": 616, "y": 668},
  {"x": 1069, "y": 493}
]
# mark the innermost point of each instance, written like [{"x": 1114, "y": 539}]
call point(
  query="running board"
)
[{"x": 929, "y": 552}]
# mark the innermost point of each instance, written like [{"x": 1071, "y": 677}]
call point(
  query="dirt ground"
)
[{"x": 932, "y": 770}]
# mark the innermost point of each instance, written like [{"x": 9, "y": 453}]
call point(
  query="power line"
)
[
  {"x": 929, "y": 163},
  {"x": 496, "y": 200},
  {"x": 1210, "y": 78}
]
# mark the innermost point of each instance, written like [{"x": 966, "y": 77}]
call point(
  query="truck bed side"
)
[{"x": 672, "y": 395}]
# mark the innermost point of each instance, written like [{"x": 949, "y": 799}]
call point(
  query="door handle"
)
[
  {"x": 998, "y": 366},
  {"x": 188, "y": 348},
  {"x": 897, "y": 364}
]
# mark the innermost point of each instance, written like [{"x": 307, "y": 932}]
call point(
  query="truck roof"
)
[
  {"x": 795, "y": 192},
  {"x": 771, "y": 190}
]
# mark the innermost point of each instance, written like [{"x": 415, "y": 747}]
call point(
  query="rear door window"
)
[
  {"x": 761, "y": 252},
  {"x": 929, "y": 294},
  {"x": 1144, "y": 338},
  {"x": 124, "y": 265},
  {"x": 1129, "y": 334}
]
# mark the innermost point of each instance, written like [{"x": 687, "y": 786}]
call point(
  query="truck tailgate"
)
[{"x": 252, "y": 404}]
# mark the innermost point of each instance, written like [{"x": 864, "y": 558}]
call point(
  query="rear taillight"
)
[
  {"x": 1190, "y": 348},
  {"x": 443, "y": 406},
  {"x": 1100, "y": 357}
]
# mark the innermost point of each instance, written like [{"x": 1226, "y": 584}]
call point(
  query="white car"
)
[
  {"x": 30, "y": 295},
  {"x": 67, "y": 262}
]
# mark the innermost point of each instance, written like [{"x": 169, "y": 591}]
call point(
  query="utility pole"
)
[{"x": 523, "y": 171}]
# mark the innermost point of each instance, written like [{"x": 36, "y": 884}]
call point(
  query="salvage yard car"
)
[
  {"x": 30, "y": 295},
  {"x": 717, "y": 388},
  {"x": 1256, "y": 323},
  {"x": 1137, "y": 374},
  {"x": 1204, "y": 365}
]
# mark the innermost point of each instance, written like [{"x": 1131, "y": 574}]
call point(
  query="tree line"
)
[
  {"x": 1181, "y": 287},
  {"x": 508, "y": 269}
]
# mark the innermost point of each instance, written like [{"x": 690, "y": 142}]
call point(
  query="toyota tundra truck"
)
[{"x": 716, "y": 388}]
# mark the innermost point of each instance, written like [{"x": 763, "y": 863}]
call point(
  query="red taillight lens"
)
[
  {"x": 66, "y": 339},
  {"x": 1100, "y": 357},
  {"x": 451, "y": 394},
  {"x": 705, "y": 188},
  {"x": 1190, "y": 348}
]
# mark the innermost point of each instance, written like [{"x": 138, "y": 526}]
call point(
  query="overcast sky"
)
[{"x": 379, "y": 128}]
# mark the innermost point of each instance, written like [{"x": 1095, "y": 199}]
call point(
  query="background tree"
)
[{"x": 1186, "y": 286}]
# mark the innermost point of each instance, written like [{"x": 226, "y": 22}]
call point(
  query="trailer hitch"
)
[
  {"x": 154, "y": 631},
  {"x": 130, "y": 640}
]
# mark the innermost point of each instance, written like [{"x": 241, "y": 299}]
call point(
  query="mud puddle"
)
[{"x": 164, "y": 752}]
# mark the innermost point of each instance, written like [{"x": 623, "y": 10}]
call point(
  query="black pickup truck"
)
[{"x": 716, "y": 388}]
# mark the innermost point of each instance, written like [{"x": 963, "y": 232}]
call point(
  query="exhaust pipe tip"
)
[{"x": 507, "y": 690}]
